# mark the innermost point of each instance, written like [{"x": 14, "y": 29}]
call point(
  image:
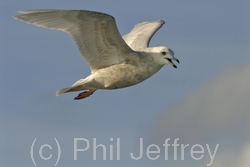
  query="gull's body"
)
[{"x": 115, "y": 61}]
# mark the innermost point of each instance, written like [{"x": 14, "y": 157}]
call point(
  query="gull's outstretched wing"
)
[
  {"x": 95, "y": 34},
  {"x": 140, "y": 35}
]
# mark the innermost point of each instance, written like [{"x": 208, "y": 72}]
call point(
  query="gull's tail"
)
[
  {"x": 77, "y": 86},
  {"x": 61, "y": 91}
]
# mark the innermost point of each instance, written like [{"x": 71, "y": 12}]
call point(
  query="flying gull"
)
[{"x": 115, "y": 61}]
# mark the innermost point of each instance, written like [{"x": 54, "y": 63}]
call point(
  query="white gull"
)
[{"x": 115, "y": 61}]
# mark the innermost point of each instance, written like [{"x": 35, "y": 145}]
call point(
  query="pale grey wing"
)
[
  {"x": 141, "y": 34},
  {"x": 95, "y": 34}
]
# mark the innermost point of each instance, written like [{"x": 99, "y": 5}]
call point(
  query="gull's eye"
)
[{"x": 163, "y": 53}]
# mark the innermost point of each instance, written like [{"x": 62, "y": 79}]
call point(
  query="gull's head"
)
[{"x": 164, "y": 55}]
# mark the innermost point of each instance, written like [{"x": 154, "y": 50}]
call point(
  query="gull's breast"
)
[{"x": 120, "y": 76}]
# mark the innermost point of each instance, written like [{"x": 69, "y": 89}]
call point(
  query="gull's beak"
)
[
  {"x": 170, "y": 60},
  {"x": 176, "y": 60}
]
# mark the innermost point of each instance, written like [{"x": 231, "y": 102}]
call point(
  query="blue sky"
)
[{"x": 210, "y": 38}]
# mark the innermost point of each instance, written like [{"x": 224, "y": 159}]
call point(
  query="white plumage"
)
[{"x": 115, "y": 61}]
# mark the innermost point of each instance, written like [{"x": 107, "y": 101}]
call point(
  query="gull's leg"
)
[{"x": 84, "y": 94}]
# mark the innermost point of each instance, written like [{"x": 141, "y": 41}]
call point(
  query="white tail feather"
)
[{"x": 61, "y": 91}]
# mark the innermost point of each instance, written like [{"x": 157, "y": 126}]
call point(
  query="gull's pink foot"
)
[{"x": 84, "y": 95}]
